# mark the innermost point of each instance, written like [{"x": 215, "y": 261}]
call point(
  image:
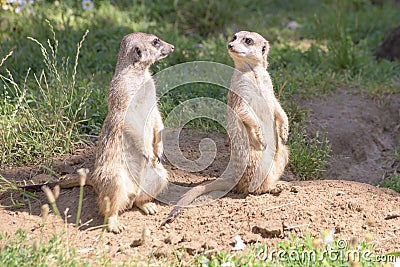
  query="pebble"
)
[{"x": 192, "y": 247}]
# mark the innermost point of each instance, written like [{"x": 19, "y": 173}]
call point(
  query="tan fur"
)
[
  {"x": 254, "y": 105},
  {"x": 252, "y": 99},
  {"x": 127, "y": 169}
]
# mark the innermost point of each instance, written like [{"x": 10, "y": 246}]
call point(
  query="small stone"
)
[
  {"x": 186, "y": 238},
  {"x": 273, "y": 229},
  {"x": 354, "y": 242},
  {"x": 136, "y": 243},
  {"x": 155, "y": 243},
  {"x": 192, "y": 248},
  {"x": 295, "y": 189},
  {"x": 371, "y": 221},
  {"x": 339, "y": 228},
  {"x": 122, "y": 248},
  {"x": 239, "y": 244},
  {"x": 210, "y": 244},
  {"x": 251, "y": 238},
  {"x": 173, "y": 239},
  {"x": 340, "y": 193},
  {"x": 163, "y": 252}
]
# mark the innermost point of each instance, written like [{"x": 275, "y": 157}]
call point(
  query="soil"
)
[
  {"x": 363, "y": 133},
  {"x": 390, "y": 47}
]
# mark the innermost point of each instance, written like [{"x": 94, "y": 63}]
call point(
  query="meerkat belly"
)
[{"x": 138, "y": 124}]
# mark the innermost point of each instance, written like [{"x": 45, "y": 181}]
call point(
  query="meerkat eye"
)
[
  {"x": 248, "y": 41},
  {"x": 156, "y": 42},
  {"x": 234, "y": 38}
]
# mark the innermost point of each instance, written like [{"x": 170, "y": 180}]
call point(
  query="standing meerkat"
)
[
  {"x": 258, "y": 127},
  {"x": 252, "y": 99},
  {"x": 127, "y": 169}
]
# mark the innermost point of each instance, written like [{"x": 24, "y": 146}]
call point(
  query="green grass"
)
[
  {"x": 42, "y": 117},
  {"x": 307, "y": 251},
  {"x": 53, "y": 85},
  {"x": 393, "y": 180},
  {"x": 10, "y": 190},
  {"x": 19, "y": 250},
  {"x": 309, "y": 156},
  {"x": 54, "y": 96},
  {"x": 22, "y": 250}
]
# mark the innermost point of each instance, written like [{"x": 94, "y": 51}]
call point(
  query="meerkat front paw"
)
[
  {"x": 146, "y": 157},
  {"x": 148, "y": 208},
  {"x": 159, "y": 151},
  {"x": 257, "y": 141},
  {"x": 159, "y": 158},
  {"x": 284, "y": 134},
  {"x": 114, "y": 226}
]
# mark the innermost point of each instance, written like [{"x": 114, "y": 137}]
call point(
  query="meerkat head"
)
[
  {"x": 142, "y": 49},
  {"x": 248, "y": 48}
]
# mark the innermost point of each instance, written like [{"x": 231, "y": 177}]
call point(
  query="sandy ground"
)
[{"x": 362, "y": 131}]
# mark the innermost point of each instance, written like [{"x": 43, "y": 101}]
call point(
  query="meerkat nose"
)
[
  {"x": 230, "y": 47},
  {"x": 172, "y": 48}
]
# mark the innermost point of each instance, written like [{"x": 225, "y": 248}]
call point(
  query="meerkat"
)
[
  {"x": 128, "y": 169},
  {"x": 259, "y": 163},
  {"x": 258, "y": 109}
]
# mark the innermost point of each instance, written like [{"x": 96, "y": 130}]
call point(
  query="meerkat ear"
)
[
  {"x": 265, "y": 48},
  {"x": 136, "y": 54},
  {"x": 264, "y": 51}
]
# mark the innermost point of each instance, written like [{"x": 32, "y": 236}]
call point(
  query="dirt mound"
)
[
  {"x": 390, "y": 47},
  {"x": 352, "y": 209},
  {"x": 362, "y": 132}
]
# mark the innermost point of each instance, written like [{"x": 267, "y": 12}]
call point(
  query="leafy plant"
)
[
  {"x": 392, "y": 182},
  {"x": 309, "y": 156},
  {"x": 308, "y": 251}
]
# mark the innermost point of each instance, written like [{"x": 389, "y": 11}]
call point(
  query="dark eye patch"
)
[
  {"x": 234, "y": 38},
  {"x": 248, "y": 41},
  {"x": 156, "y": 42}
]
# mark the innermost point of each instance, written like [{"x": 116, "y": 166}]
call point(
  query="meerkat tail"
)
[
  {"x": 37, "y": 187},
  {"x": 66, "y": 181},
  {"x": 192, "y": 194}
]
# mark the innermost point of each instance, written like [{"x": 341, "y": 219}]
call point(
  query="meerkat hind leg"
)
[
  {"x": 279, "y": 187},
  {"x": 153, "y": 182}
]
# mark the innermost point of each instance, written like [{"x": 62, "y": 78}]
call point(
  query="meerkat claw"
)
[
  {"x": 148, "y": 208},
  {"x": 114, "y": 226},
  {"x": 146, "y": 157}
]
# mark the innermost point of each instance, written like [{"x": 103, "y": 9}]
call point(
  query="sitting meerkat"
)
[
  {"x": 258, "y": 127},
  {"x": 127, "y": 169}
]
